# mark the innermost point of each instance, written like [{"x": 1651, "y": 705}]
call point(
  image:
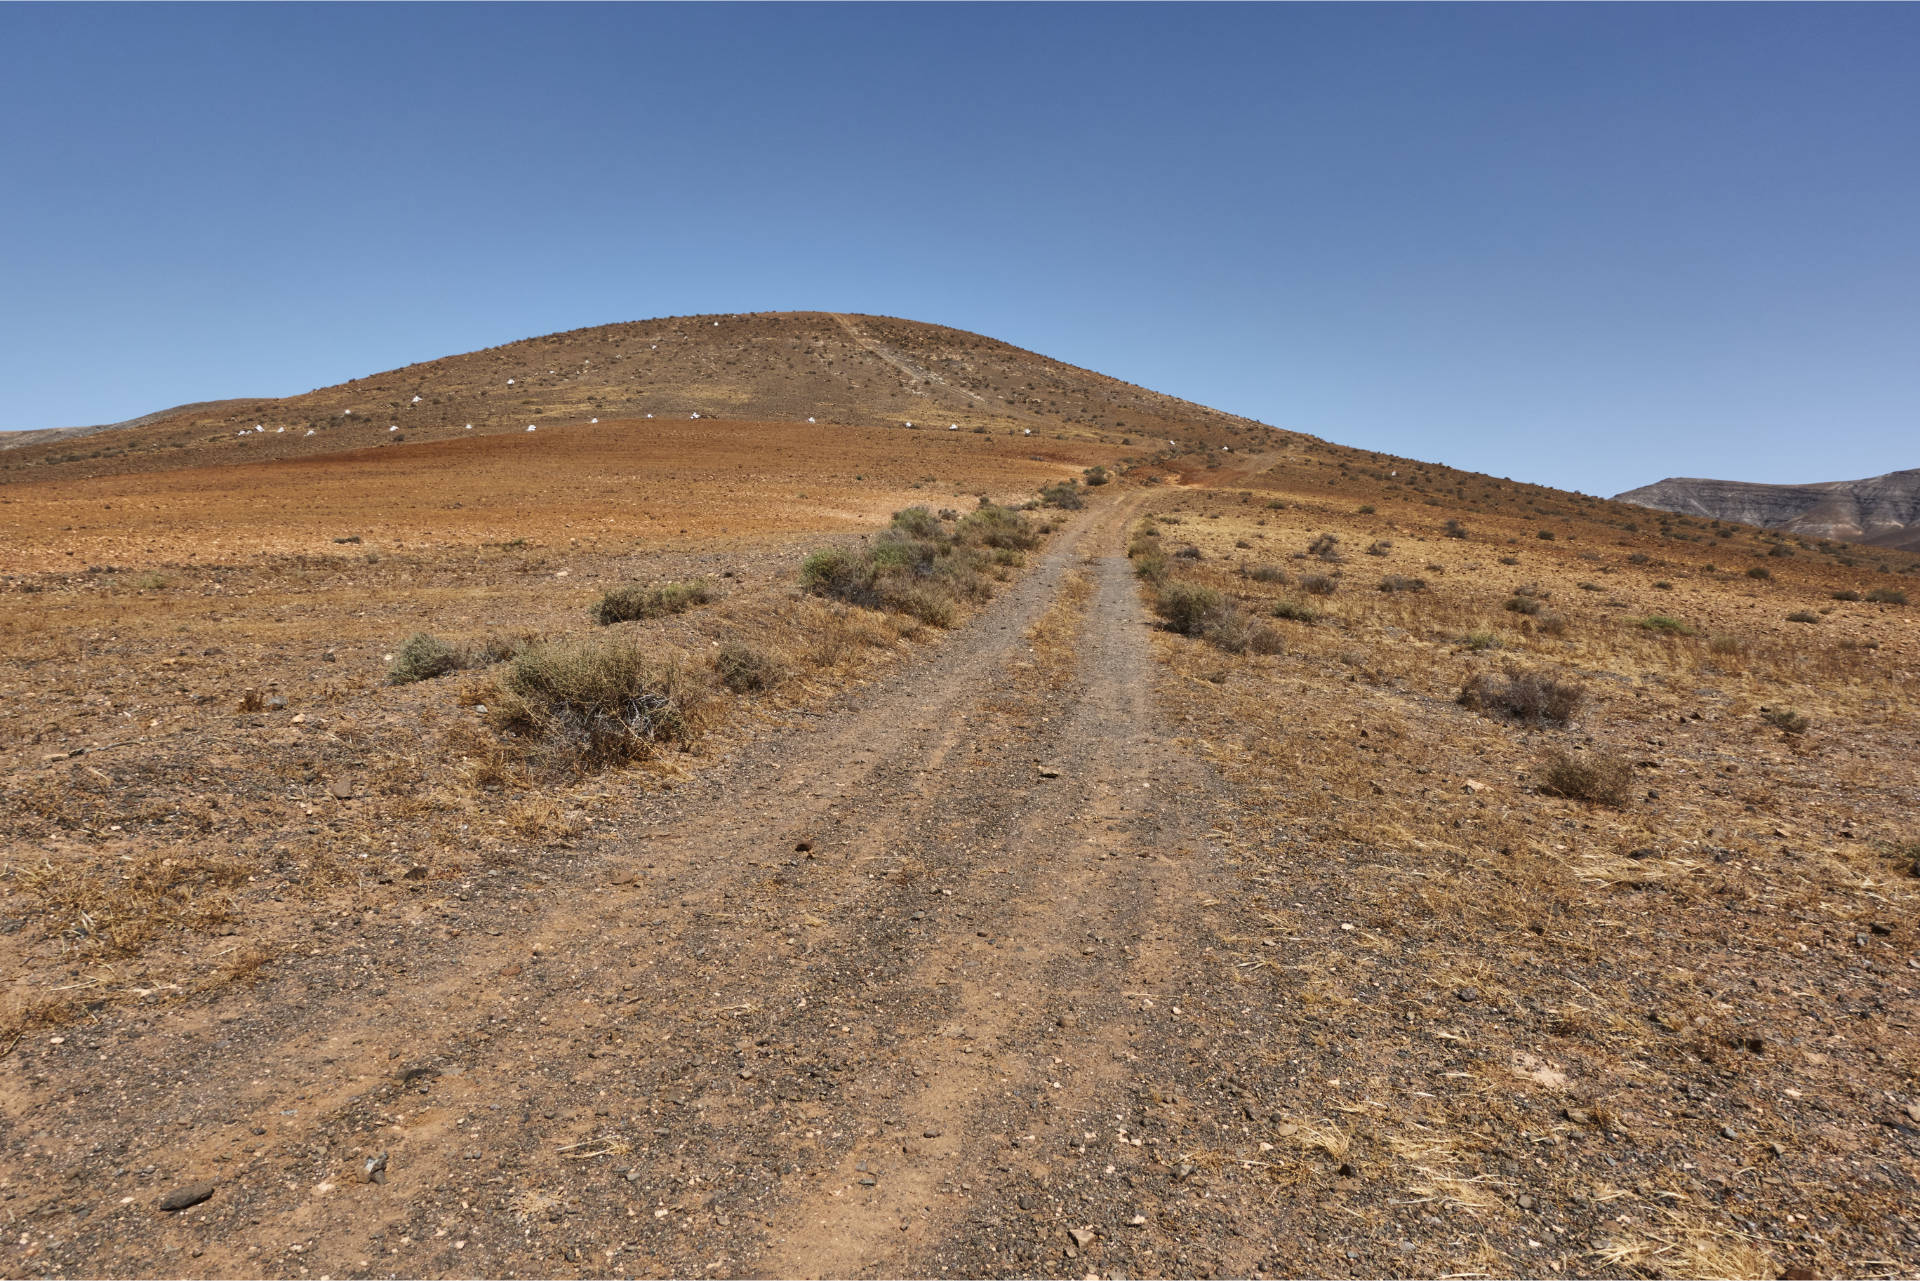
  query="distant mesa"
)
[{"x": 1883, "y": 511}]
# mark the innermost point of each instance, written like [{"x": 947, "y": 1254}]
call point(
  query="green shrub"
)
[
  {"x": 1295, "y": 611},
  {"x": 590, "y": 703},
  {"x": 1480, "y": 641},
  {"x": 1096, "y": 475},
  {"x": 1454, "y": 529},
  {"x": 841, "y": 573},
  {"x": 1887, "y": 596},
  {"x": 1401, "y": 583},
  {"x": 631, "y": 601},
  {"x": 1064, "y": 494},
  {"x": 744, "y": 669},
  {"x": 1599, "y": 776},
  {"x": 917, "y": 522},
  {"x": 1523, "y": 605},
  {"x": 1666, "y": 623},
  {"x": 1318, "y": 584}
]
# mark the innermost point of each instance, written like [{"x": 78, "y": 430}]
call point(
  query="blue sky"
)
[{"x": 1589, "y": 246}]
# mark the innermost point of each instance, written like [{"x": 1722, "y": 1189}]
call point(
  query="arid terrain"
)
[{"x": 630, "y": 848}]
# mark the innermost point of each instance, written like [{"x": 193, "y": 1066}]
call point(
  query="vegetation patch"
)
[
  {"x": 1531, "y": 697},
  {"x": 1600, "y": 777},
  {"x": 633, "y": 602},
  {"x": 923, "y": 566},
  {"x": 587, "y": 704}
]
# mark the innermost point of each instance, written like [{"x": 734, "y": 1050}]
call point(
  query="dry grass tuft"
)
[
  {"x": 1600, "y": 776},
  {"x": 1532, "y": 697}
]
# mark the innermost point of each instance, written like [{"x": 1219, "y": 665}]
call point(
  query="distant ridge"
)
[{"x": 1881, "y": 510}]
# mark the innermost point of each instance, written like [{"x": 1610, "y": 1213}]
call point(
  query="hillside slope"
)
[
  {"x": 764, "y": 367},
  {"x": 1880, "y": 510}
]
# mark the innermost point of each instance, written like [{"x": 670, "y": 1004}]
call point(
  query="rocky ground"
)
[{"x": 1067, "y": 946}]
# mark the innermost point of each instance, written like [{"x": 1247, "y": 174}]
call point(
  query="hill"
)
[
  {"x": 1882, "y": 511},
  {"x": 759, "y": 367}
]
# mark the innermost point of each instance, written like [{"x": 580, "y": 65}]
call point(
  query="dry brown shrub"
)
[
  {"x": 1600, "y": 776},
  {"x": 1533, "y": 697}
]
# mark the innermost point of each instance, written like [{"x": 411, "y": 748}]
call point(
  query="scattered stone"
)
[
  {"x": 184, "y": 1198},
  {"x": 1643, "y": 854},
  {"x": 1524, "y": 1201},
  {"x": 930, "y": 1134},
  {"x": 1882, "y": 928},
  {"x": 415, "y": 873},
  {"x": 1348, "y": 1170},
  {"x": 1082, "y": 1237},
  {"x": 1579, "y": 1116},
  {"x": 1473, "y": 786},
  {"x": 342, "y": 789},
  {"x": 1049, "y": 771},
  {"x": 376, "y": 1170},
  {"x": 1024, "y": 1201},
  {"x": 1468, "y": 993},
  {"x": 329, "y": 657}
]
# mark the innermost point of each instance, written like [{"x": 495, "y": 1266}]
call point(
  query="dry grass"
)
[{"x": 1622, "y": 950}]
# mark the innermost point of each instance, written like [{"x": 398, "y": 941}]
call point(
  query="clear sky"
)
[{"x": 1586, "y": 246}]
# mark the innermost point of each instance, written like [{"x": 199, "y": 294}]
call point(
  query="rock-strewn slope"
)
[{"x": 1884, "y": 510}]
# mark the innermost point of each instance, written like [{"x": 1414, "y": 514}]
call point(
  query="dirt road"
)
[{"x": 911, "y": 992}]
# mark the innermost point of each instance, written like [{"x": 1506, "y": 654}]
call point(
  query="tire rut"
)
[{"x": 847, "y": 988}]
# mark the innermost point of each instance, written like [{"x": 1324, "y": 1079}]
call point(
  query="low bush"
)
[
  {"x": 1600, "y": 777},
  {"x": 422, "y": 657},
  {"x": 1847, "y": 595},
  {"x": 1551, "y": 625},
  {"x": 631, "y": 601},
  {"x": 1803, "y": 616},
  {"x": 1295, "y": 611},
  {"x": 1454, "y": 529},
  {"x": 919, "y": 567},
  {"x": 1379, "y": 547},
  {"x": 745, "y": 670},
  {"x": 1785, "y": 718},
  {"x": 586, "y": 704},
  {"x": 425, "y": 656},
  {"x": 1534, "y": 698},
  {"x": 1480, "y": 641},
  {"x": 1523, "y": 605},
  {"x": 1266, "y": 574},
  {"x": 1759, "y": 571},
  {"x": 1327, "y": 548},
  {"x": 1318, "y": 584},
  {"x": 1727, "y": 646},
  {"x": 1096, "y": 475},
  {"x": 1666, "y": 623},
  {"x": 1887, "y": 596},
  {"x": 1064, "y": 494},
  {"x": 1190, "y": 608},
  {"x": 1401, "y": 583}
]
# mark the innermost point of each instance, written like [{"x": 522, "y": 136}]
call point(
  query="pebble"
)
[
  {"x": 1468, "y": 993},
  {"x": 1082, "y": 1237},
  {"x": 1024, "y": 1201},
  {"x": 182, "y": 1198}
]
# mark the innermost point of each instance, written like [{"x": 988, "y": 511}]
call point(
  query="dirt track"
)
[{"x": 888, "y": 997}]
